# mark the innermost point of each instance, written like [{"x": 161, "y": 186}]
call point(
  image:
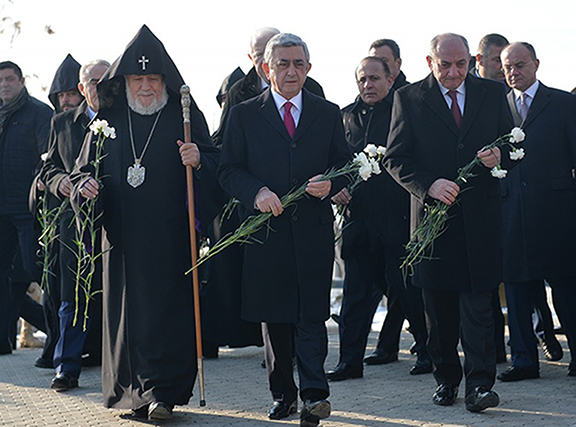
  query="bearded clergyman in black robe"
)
[{"x": 149, "y": 358}]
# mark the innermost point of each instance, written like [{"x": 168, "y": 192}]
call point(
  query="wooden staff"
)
[{"x": 185, "y": 99}]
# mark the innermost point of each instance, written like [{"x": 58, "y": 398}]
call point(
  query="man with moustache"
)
[
  {"x": 66, "y": 137},
  {"x": 148, "y": 365},
  {"x": 282, "y": 139},
  {"x": 539, "y": 206},
  {"x": 375, "y": 233},
  {"x": 439, "y": 124},
  {"x": 64, "y": 93}
]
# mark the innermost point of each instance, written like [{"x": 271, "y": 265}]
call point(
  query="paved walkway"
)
[{"x": 236, "y": 395}]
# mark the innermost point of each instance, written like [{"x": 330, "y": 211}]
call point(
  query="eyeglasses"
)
[{"x": 518, "y": 66}]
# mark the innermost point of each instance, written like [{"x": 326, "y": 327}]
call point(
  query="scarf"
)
[{"x": 6, "y": 110}]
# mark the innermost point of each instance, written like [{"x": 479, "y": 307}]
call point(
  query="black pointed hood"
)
[
  {"x": 66, "y": 78},
  {"x": 232, "y": 78},
  {"x": 144, "y": 55}
]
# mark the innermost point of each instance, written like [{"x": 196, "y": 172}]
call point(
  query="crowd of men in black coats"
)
[{"x": 518, "y": 230}]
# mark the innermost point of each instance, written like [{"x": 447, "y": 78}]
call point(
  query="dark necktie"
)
[
  {"x": 289, "y": 119},
  {"x": 455, "y": 108},
  {"x": 523, "y": 105}
]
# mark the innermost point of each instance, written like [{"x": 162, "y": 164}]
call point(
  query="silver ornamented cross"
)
[{"x": 143, "y": 61}]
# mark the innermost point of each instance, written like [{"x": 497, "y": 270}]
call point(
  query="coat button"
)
[
  {"x": 460, "y": 146},
  {"x": 294, "y": 218},
  {"x": 524, "y": 184},
  {"x": 294, "y": 181},
  {"x": 293, "y": 145}
]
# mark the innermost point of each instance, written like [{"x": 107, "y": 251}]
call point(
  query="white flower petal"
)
[
  {"x": 518, "y": 135},
  {"x": 517, "y": 154}
]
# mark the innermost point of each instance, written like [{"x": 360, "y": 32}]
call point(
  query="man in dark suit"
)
[
  {"x": 287, "y": 279},
  {"x": 377, "y": 228},
  {"x": 221, "y": 306},
  {"x": 66, "y": 137},
  {"x": 539, "y": 205},
  {"x": 439, "y": 125}
]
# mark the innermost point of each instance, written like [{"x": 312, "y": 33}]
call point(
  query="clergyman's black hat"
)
[
  {"x": 66, "y": 78},
  {"x": 144, "y": 55}
]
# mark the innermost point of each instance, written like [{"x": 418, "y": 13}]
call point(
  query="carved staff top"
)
[{"x": 185, "y": 100}]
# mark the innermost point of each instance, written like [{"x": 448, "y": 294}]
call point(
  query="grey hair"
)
[
  {"x": 85, "y": 69},
  {"x": 264, "y": 32},
  {"x": 446, "y": 36},
  {"x": 284, "y": 40}
]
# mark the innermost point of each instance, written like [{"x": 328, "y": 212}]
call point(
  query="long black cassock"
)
[{"x": 149, "y": 342}]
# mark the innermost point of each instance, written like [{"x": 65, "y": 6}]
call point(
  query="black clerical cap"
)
[
  {"x": 145, "y": 54},
  {"x": 66, "y": 78}
]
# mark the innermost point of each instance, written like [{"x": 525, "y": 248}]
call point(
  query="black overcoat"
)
[
  {"x": 539, "y": 195},
  {"x": 287, "y": 278},
  {"x": 380, "y": 208},
  {"x": 424, "y": 145}
]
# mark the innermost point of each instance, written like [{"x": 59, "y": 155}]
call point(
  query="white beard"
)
[{"x": 156, "y": 105}]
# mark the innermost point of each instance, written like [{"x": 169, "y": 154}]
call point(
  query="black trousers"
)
[
  {"x": 369, "y": 276},
  {"x": 452, "y": 316},
  {"x": 520, "y": 301},
  {"x": 309, "y": 342},
  {"x": 16, "y": 233}
]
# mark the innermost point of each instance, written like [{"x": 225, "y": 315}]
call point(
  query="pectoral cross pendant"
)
[{"x": 136, "y": 174}]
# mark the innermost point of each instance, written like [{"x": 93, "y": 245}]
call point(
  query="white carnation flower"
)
[
  {"x": 498, "y": 172},
  {"x": 517, "y": 154},
  {"x": 381, "y": 150},
  {"x": 365, "y": 171},
  {"x": 518, "y": 135},
  {"x": 371, "y": 150},
  {"x": 101, "y": 126},
  {"x": 375, "y": 167},
  {"x": 361, "y": 159}
]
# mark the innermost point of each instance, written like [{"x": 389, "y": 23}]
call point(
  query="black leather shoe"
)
[
  {"x": 445, "y": 395},
  {"x": 380, "y": 357},
  {"x": 344, "y": 371},
  {"x": 552, "y": 349},
  {"x": 281, "y": 409},
  {"x": 64, "y": 381},
  {"x": 423, "y": 365},
  {"x": 313, "y": 411},
  {"x": 159, "y": 411},
  {"x": 43, "y": 363},
  {"x": 515, "y": 373},
  {"x": 480, "y": 399},
  {"x": 336, "y": 318},
  {"x": 141, "y": 413}
]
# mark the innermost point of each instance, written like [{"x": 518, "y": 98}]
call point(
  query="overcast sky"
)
[{"x": 208, "y": 41}]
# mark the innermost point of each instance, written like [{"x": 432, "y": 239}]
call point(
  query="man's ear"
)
[
  {"x": 429, "y": 61},
  {"x": 266, "y": 69}
]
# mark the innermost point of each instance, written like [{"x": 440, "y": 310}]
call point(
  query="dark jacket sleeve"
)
[{"x": 399, "y": 160}]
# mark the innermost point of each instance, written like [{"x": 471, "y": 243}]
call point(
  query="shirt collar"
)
[
  {"x": 460, "y": 89},
  {"x": 91, "y": 113},
  {"x": 531, "y": 91},
  {"x": 279, "y": 100}
]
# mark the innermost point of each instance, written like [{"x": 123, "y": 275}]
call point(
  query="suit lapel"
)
[
  {"x": 513, "y": 109},
  {"x": 270, "y": 112},
  {"x": 433, "y": 97},
  {"x": 308, "y": 114},
  {"x": 540, "y": 101},
  {"x": 474, "y": 95}
]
